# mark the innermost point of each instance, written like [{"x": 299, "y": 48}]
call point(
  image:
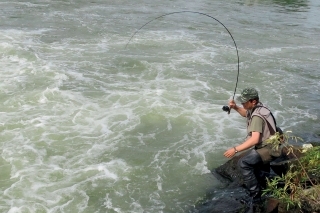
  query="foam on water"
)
[{"x": 88, "y": 126}]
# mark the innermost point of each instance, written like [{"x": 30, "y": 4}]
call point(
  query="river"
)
[{"x": 90, "y": 125}]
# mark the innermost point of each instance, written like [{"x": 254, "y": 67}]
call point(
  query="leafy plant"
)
[{"x": 303, "y": 173}]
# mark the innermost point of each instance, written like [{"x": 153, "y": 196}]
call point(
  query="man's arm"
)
[{"x": 250, "y": 142}]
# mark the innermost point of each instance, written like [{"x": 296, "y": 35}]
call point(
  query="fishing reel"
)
[{"x": 226, "y": 109}]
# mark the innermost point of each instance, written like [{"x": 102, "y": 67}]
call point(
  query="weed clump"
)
[{"x": 299, "y": 188}]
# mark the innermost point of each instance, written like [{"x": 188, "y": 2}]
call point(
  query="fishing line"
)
[{"x": 225, "y": 108}]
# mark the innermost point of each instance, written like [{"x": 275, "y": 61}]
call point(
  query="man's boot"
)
[{"x": 253, "y": 198}]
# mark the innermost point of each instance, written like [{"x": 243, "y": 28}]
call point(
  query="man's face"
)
[{"x": 249, "y": 104}]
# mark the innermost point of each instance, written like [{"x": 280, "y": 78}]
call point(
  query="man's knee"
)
[
  {"x": 249, "y": 160},
  {"x": 242, "y": 164}
]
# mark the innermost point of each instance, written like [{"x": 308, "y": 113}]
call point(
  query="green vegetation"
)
[{"x": 299, "y": 187}]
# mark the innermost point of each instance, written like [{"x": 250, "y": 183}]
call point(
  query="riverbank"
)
[{"x": 228, "y": 198}]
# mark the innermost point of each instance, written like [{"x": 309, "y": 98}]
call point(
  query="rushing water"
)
[{"x": 88, "y": 125}]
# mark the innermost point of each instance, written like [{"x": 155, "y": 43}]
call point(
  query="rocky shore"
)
[{"x": 228, "y": 198}]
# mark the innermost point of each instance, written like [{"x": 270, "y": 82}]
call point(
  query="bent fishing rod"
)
[{"x": 224, "y": 108}]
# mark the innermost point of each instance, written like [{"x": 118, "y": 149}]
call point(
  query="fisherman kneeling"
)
[{"x": 260, "y": 126}]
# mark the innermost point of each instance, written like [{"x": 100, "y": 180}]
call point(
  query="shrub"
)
[{"x": 298, "y": 187}]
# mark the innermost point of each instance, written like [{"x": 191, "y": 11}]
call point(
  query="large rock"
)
[{"x": 228, "y": 198}]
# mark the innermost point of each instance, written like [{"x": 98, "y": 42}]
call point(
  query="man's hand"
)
[
  {"x": 240, "y": 110},
  {"x": 232, "y": 104},
  {"x": 230, "y": 153}
]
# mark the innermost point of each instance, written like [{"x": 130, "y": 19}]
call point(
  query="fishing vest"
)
[
  {"x": 266, "y": 151},
  {"x": 269, "y": 127}
]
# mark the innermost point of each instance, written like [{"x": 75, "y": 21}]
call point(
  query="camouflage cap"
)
[{"x": 248, "y": 94}]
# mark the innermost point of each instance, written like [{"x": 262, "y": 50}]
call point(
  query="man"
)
[{"x": 260, "y": 126}]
